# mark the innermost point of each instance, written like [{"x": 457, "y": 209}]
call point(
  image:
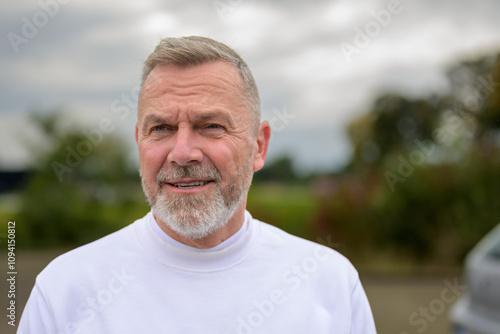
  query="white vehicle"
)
[{"x": 478, "y": 310}]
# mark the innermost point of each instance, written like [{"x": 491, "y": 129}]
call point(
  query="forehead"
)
[{"x": 212, "y": 79}]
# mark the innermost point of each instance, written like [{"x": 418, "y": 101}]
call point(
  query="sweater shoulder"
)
[
  {"x": 275, "y": 237},
  {"x": 95, "y": 255}
]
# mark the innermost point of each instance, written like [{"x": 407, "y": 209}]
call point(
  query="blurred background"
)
[{"x": 385, "y": 116}]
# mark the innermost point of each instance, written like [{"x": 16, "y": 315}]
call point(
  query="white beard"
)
[
  {"x": 196, "y": 216},
  {"x": 199, "y": 215}
]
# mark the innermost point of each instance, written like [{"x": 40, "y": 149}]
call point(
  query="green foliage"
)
[
  {"x": 79, "y": 190},
  {"x": 394, "y": 124},
  {"x": 281, "y": 170},
  {"x": 290, "y": 208},
  {"x": 476, "y": 91}
]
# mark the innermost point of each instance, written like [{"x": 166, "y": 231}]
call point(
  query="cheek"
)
[
  {"x": 151, "y": 158},
  {"x": 228, "y": 159}
]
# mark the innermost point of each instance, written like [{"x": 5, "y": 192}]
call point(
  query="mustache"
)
[{"x": 195, "y": 172}]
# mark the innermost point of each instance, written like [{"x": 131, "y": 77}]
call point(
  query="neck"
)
[{"x": 212, "y": 240}]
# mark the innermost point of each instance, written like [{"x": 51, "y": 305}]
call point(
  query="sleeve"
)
[
  {"x": 362, "y": 319},
  {"x": 37, "y": 317}
]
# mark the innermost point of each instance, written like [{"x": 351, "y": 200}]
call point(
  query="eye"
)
[
  {"x": 213, "y": 129},
  {"x": 158, "y": 128}
]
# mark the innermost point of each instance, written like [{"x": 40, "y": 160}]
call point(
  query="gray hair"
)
[{"x": 196, "y": 50}]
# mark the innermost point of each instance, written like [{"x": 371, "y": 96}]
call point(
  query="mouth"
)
[{"x": 188, "y": 185}]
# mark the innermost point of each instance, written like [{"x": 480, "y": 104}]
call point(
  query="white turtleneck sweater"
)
[{"x": 139, "y": 280}]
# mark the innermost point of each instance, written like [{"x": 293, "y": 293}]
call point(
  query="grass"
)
[{"x": 289, "y": 207}]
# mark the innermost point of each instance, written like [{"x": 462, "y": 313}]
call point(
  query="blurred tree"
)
[
  {"x": 280, "y": 170},
  {"x": 81, "y": 188},
  {"x": 475, "y": 89},
  {"x": 395, "y": 124}
]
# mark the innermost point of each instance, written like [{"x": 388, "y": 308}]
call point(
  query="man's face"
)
[{"x": 197, "y": 146}]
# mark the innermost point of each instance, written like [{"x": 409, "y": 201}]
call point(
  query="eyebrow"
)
[
  {"x": 204, "y": 116},
  {"x": 207, "y": 116},
  {"x": 152, "y": 119}
]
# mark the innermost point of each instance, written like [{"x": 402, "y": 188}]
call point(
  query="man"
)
[{"x": 198, "y": 262}]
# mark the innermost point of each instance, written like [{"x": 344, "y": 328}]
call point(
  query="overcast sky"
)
[{"x": 318, "y": 64}]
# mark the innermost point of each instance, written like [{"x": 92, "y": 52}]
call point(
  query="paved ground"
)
[
  {"x": 411, "y": 305},
  {"x": 400, "y": 305}
]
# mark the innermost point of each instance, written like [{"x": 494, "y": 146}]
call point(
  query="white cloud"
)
[{"x": 158, "y": 22}]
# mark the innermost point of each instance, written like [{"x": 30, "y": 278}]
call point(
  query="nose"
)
[{"x": 185, "y": 151}]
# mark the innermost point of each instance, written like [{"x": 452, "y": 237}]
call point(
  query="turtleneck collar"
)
[{"x": 174, "y": 254}]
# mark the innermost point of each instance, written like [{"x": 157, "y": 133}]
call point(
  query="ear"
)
[
  {"x": 262, "y": 142},
  {"x": 137, "y": 133}
]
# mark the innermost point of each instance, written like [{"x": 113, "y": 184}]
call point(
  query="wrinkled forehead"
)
[{"x": 217, "y": 77}]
